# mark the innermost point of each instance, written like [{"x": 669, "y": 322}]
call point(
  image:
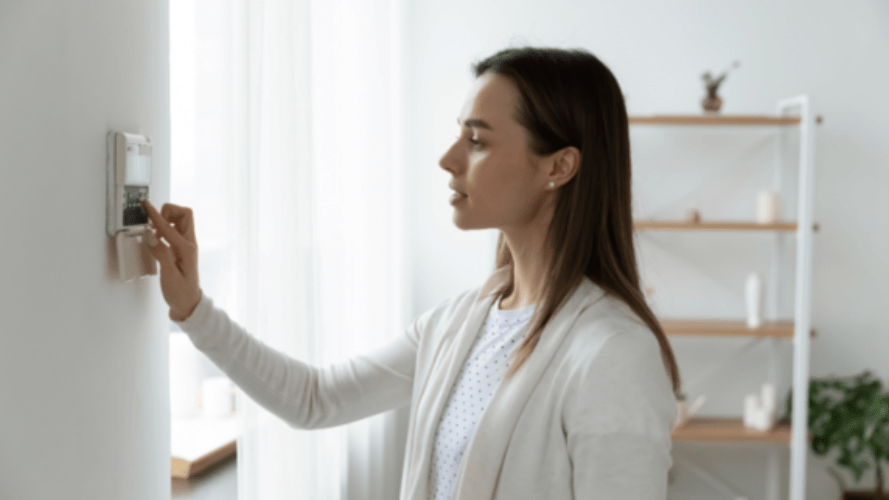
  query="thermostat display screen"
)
[{"x": 133, "y": 214}]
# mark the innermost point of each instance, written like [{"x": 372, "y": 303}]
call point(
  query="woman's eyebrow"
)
[{"x": 475, "y": 122}]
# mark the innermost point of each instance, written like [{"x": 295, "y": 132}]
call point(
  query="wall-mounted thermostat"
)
[{"x": 128, "y": 182}]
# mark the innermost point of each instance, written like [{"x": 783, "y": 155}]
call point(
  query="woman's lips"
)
[{"x": 457, "y": 197}]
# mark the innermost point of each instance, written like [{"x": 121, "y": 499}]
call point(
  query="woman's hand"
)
[{"x": 179, "y": 260}]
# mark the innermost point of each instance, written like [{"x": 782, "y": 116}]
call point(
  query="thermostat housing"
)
[{"x": 128, "y": 182}]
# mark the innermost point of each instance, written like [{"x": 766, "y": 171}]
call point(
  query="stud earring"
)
[{"x": 552, "y": 184}]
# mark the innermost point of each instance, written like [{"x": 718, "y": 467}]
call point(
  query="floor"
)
[{"x": 220, "y": 482}]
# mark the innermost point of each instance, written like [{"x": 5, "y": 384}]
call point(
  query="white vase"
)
[
  {"x": 754, "y": 300},
  {"x": 217, "y": 397},
  {"x": 184, "y": 376}
]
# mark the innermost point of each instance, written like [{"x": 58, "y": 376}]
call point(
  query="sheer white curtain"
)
[{"x": 287, "y": 145}]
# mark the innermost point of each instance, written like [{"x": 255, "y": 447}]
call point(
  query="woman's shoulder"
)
[
  {"x": 611, "y": 314},
  {"x": 607, "y": 321}
]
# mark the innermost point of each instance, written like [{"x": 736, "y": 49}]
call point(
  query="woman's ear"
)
[{"x": 566, "y": 165}]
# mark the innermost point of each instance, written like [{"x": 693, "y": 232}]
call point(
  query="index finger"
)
[{"x": 163, "y": 225}]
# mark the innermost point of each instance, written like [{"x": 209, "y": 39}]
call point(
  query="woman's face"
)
[{"x": 490, "y": 162}]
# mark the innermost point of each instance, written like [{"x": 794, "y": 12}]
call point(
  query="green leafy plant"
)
[{"x": 853, "y": 415}]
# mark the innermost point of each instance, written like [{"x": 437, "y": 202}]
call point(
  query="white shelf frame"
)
[{"x": 802, "y": 317}]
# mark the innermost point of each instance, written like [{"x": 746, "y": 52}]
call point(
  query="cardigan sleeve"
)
[
  {"x": 304, "y": 396},
  {"x": 617, "y": 420}
]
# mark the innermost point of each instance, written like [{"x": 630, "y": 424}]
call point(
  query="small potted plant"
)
[
  {"x": 852, "y": 415},
  {"x": 713, "y": 102}
]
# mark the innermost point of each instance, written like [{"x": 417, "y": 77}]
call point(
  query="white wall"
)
[
  {"x": 83, "y": 359},
  {"x": 831, "y": 51}
]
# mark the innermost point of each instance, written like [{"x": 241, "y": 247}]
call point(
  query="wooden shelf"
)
[
  {"x": 727, "y": 328},
  {"x": 731, "y": 429},
  {"x": 679, "y": 225},
  {"x": 714, "y": 120}
]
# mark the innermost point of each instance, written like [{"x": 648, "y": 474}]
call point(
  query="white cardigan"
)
[{"x": 588, "y": 416}]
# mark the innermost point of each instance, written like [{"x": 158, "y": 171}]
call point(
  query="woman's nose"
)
[{"x": 447, "y": 159}]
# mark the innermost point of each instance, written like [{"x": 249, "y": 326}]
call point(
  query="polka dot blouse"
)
[{"x": 488, "y": 360}]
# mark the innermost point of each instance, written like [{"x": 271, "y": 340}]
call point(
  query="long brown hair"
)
[{"x": 570, "y": 98}]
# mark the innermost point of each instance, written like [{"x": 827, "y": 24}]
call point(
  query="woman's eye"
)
[{"x": 472, "y": 141}]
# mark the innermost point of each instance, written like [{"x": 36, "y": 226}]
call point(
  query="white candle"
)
[
  {"x": 767, "y": 207},
  {"x": 217, "y": 396},
  {"x": 767, "y": 396},
  {"x": 764, "y": 419}
]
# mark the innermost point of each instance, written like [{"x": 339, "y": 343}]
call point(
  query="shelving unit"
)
[{"x": 795, "y": 431}]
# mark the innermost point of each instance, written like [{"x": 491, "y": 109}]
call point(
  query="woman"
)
[{"x": 587, "y": 405}]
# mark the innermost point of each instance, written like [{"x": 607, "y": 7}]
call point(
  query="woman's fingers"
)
[
  {"x": 182, "y": 218},
  {"x": 182, "y": 236},
  {"x": 179, "y": 261}
]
